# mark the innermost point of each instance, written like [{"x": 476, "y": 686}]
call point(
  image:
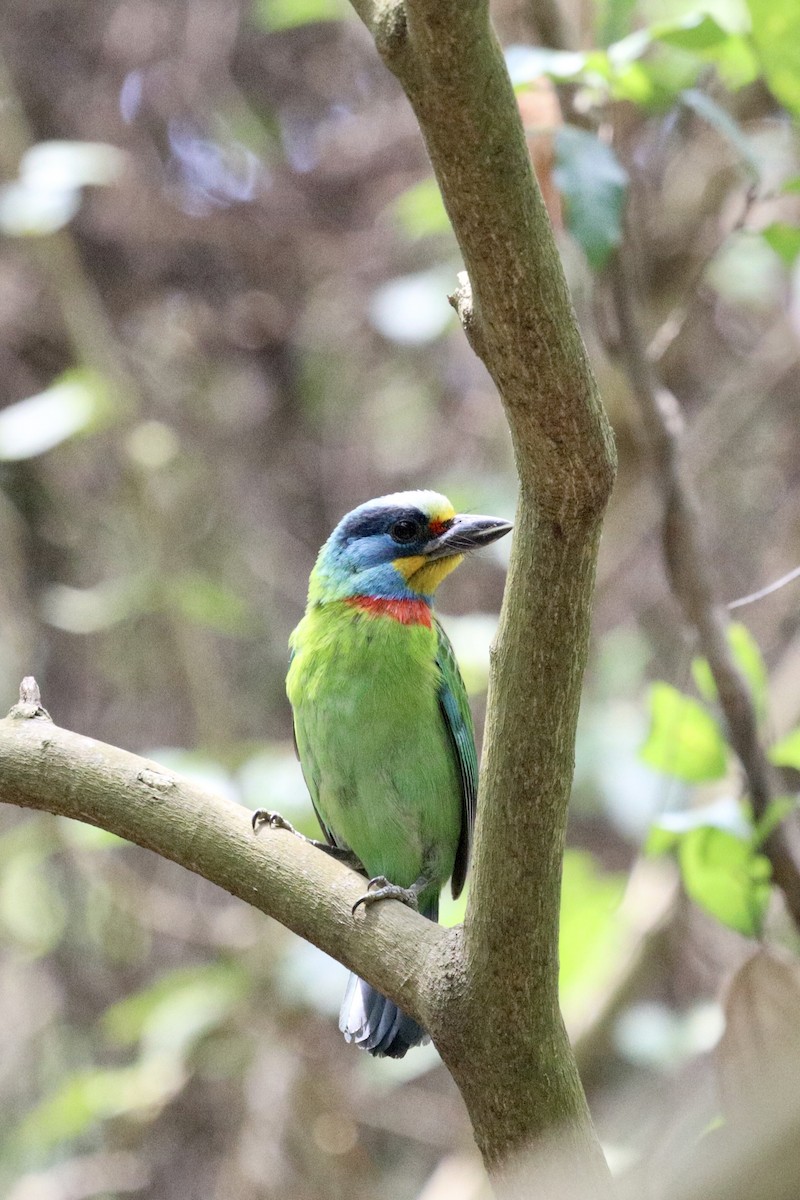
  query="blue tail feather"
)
[{"x": 375, "y": 1023}]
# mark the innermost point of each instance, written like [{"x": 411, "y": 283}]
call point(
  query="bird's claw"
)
[
  {"x": 273, "y": 820},
  {"x": 379, "y": 888}
]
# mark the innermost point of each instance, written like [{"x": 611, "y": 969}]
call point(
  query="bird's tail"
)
[{"x": 377, "y": 1024}]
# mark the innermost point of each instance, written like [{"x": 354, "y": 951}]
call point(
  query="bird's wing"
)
[
  {"x": 329, "y": 838},
  {"x": 457, "y": 715}
]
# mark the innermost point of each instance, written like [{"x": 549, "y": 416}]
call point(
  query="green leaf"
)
[
  {"x": 170, "y": 1016},
  {"x": 776, "y": 34},
  {"x": 791, "y": 186},
  {"x": 613, "y": 19},
  {"x": 721, "y": 120},
  {"x": 593, "y": 185},
  {"x": 786, "y": 752},
  {"x": 589, "y": 923},
  {"x": 722, "y": 874},
  {"x": 419, "y": 212},
  {"x": 684, "y": 740},
  {"x": 784, "y": 240},
  {"x": 777, "y": 811},
  {"x": 206, "y": 601},
  {"x": 288, "y": 14},
  {"x": 698, "y": 31},
  {"x": 728, "y": 814},
  {"x": 747, "y": 657}
]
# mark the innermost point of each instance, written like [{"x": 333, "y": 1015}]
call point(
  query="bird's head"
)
[{"x": 398, "y": 547}]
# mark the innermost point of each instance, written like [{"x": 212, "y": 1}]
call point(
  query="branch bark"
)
[
  {"x": 500, "y": 1031},
  {"x": 691, "y": 579},
  {"x": 48, "y": 768}
]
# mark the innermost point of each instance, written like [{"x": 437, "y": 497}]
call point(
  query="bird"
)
[{"x": 382, "y": 722}]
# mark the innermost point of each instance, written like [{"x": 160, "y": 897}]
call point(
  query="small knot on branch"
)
[
  {"x": 461, "y": 301},
  {"x": 390, "y": 30},
  {"x": 30, "y": 702}
]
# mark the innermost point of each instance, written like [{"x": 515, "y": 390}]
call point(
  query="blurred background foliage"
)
[{"x": 223, "y": 322}]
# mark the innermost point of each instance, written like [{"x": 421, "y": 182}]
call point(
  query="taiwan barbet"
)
[{"x": 382, "y": 721}]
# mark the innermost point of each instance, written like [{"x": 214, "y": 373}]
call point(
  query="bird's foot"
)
[
  {"x": 263, "y": 817},
  {"x": 380, "y": 888}
]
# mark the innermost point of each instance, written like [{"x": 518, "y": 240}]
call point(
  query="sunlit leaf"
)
[
  {"x": 589, "y": 926},
  {"x": 786, "y": 752},
  {"x": 68, "y": 407},
  {"x": 288, "y": 14},
  {"x": 727, "y": 814},
  {"x": 420, "y": 211},
  {"x": 698, "y": 31},
  {"x": 791, "y": 186},
  {"x": 784, "y": 240},
  {"x": 684, "y": 740},
  {"x": 593, "y": 184},
  {"x": 776, "y": 34},
  {"x": 88, "y": 1097},
  {"x": 747, "y": 656},
  {"x": 724, "y": 876}
]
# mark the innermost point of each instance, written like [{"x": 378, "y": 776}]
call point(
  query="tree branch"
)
[
  {"x": 691, "y": 579},
  {"x": 48, "y": 768},
  {"x": 501, "y": 1032}
]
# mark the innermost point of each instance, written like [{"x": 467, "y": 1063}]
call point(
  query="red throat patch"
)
[{"x": 407, "y": 612}]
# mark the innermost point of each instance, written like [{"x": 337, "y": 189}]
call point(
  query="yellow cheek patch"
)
[{"x": 424, "y": 576}]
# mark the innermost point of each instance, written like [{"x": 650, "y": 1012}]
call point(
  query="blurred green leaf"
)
[
  {"x": 88, "y": 1097},
  {"x": 174, "y": 1013},
  {"x": 88, "y": 837},
  {"x": 684, "y": 740},
  {"x": 721, "y": 120},
  {"x": 209, "y": 602},
  {"x": 722, "y": 874},
  {"x": 698, "y": 31},
  {"x": 288, "y": 14},
  {"x": 71, "y": 405},
  {"x": 791, "y": 186},
  {"x": 593, "y": 185},
  {"x": 784, "y": 240},
  {"x": 589, "y": 927},
  {"x": 786, "y": 752},
  {"x": 777, "y": 810},
  {"x": 32, "y": 908},
  {"x": 419, "y": 211},
  {"x": 747, "y": 656},
  {"x": 776, "y": 35},
  {"x": 728, "y": 814},
  {"x": 613, "y": 19}
]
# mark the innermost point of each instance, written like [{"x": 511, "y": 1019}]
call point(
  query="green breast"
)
[{"x": 372, "y": 740}]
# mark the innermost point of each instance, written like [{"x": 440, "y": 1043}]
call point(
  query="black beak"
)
[{"x": 465, "y": 534}]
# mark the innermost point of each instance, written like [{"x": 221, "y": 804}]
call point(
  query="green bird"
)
[{"x": 382, "y": 721}]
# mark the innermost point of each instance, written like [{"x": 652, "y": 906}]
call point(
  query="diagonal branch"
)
[
  {"x": 691, "y": 579},
  {"x": 48, "y": 768}
]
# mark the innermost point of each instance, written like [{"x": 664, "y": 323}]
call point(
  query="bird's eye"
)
[{"x": 404, "y": 531}]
